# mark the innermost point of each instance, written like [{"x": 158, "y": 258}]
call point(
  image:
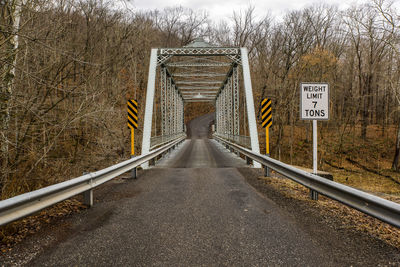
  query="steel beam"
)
[
  {"x": 236, "y": 102},
  {"x": 163, "y": 87},
  {"x": 199, "y": 100},
  {"x": 251, "y": 116},
  {"x": 199, "y": 92},
  {"x": 199, "y": 87},
  {"x": 194, "y": 64},
  {"x": 199, "y": 75},
  {"x": 148, "y": 114},
  {"x": 196, "y": 51},
  {"x": 197, "y": 82}
]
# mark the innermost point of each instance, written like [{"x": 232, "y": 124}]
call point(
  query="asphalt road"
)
[{"x": 193, "y": 209}]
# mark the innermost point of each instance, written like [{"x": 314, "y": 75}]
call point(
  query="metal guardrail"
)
[
  {"x": 23, "y": 205},
  {"x": 377, "y": 207},
  {"x": 156, "y": 141},
  {"x": 237, "y": 139}
]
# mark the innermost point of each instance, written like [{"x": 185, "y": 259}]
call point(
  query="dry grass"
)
[
  {"x": 364, "y": 164},
  {"x": 349, "y": 217},
  {"x": 369, "y": 182}
]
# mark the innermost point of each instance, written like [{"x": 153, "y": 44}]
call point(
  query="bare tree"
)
[
  {"x": 389, "y": 23},
  {"x": 9, "y": 29}
]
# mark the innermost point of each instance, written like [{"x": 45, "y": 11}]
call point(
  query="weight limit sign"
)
[{"x": 314, "y": 101}]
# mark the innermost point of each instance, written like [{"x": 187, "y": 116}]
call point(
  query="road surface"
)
[{"x": 194, "y": 208}]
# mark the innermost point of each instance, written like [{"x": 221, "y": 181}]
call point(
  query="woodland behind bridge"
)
[{"x": 65, "y": 82}]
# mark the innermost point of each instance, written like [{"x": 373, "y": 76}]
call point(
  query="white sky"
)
[{"x": 218, "y": 9}]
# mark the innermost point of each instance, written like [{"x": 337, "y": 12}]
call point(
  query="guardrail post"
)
[
  {"x": 88, "y": 198},
  {"x": 88, "y": 195},
  {"x": 266, "y": 171},
  {"x": 248, "y": 160},
  {"x": 134, "y": 173},
  {"x": 313, "y": 194}
]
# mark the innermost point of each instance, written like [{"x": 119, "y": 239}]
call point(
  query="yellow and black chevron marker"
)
[
  {"x": 266, "y": 113},
  {"x": 266, "y": 120},
  {"x": 132, "y": 121}
]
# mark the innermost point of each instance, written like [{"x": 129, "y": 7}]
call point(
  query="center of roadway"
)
[{"x": 199, "y": 151}]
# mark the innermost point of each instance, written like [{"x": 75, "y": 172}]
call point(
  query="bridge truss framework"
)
[{"x": 200, "y": 72}]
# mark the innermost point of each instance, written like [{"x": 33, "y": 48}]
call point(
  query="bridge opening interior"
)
[{"x": 199, "y": 73}]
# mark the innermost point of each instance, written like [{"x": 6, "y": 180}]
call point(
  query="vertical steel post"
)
[
  {"x": 148, "y": 114},
  {"x": 218, "y": 108},
  {"x": 172, "y": 117},
  {"x": 216, "y": 114},
  {"x": 134, "y": 173},
  {"x": 230, "y": 107},
  {"x": 168, "y": 103},
  {"x": 314, "y": 194},
  {"x": 163, "y": 85},
  {"x": 176, "y": 111},
  {"x": 224, "y": 112},
  {"x": 236, "y": 111},
  {"x": 251, "y": 116}
]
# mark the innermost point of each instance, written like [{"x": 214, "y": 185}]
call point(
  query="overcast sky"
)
[{"x": 218, "y": 9}]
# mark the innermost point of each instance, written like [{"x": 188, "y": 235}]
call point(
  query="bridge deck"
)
[{"x": 194, "y": 208}]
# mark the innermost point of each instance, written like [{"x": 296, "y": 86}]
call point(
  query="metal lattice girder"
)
[
  {"x": 163, "y": 58},
  {"x": 198, "y": 100},
  {"x": 183, "y": 74},
  {"x": 230, "y": 106},
  {"x": 175, "y": 115},
  {"x": 223, "y": 109},
  {"x": 194, "y": 64},
  {"x": 169, "y": 103},
  {"x": 194, "y": 51},
  {"x": 217, "y": 114},
  {"x": 235, "y": 58},
  {"x": 236, "y": 99},
  {"x": 197, "y": 82},
  {"x": 181, "y": 115},
  {"x": 198, "y": 92},
  {"x": 199, "y": 87},
  {"x": 163, "y": 89}
]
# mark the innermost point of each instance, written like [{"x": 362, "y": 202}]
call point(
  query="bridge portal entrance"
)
[{"x": 199, "y": 72}]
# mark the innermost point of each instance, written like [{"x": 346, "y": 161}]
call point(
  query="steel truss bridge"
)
[
  {"x": 200, "y": 72},
  {"x": 196, "y": 206}
]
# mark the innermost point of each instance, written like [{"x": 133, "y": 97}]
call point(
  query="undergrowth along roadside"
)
[
  {"x": 15, "y": 232},
  {"x": 363, "y": 164}
]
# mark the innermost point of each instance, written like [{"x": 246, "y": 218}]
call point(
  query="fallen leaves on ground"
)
[{"x": 15, "y": 232}]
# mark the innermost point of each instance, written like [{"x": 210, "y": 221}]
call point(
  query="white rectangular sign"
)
[{"x": 314, "y": 101}]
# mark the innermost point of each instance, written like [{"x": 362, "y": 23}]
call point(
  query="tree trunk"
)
[
  {"x": 11, "y": 14},
  {"x": 395, "y": 164}
]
